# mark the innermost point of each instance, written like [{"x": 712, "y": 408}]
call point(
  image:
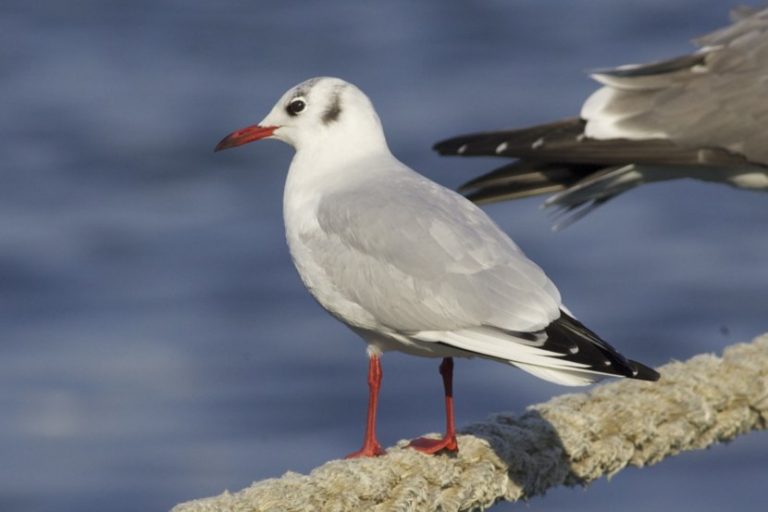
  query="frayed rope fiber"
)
[{"x": 570, "y": 440}]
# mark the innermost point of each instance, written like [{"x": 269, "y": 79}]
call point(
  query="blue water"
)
[{"x": 156, "y": 344}]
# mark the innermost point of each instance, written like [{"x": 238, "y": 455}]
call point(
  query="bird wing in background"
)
[{"x": 703, "y": 115}]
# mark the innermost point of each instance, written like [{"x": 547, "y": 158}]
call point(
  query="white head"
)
[{"x": 322, "y": 111}]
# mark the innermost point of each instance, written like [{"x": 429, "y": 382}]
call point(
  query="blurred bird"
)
[
  {"x": 701, "y": 116},
  {"x": 410, "y": 265}
]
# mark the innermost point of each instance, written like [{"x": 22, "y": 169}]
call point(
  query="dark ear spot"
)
[{"x": 333, "y": 111}]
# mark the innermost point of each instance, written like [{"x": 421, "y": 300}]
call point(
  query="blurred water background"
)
[{"x": 156, "y": 344}]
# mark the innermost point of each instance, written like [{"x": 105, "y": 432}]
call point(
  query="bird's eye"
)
[{"x": 296, "y": 106}]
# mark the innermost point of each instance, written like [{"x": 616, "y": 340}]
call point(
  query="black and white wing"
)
[{"x": 700, "y": 116}]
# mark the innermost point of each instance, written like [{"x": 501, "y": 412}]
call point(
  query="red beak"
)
[{"x": 244, "y": 136}]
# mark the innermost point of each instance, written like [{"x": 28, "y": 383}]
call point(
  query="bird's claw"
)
[
  {"x": 446, "y": 443},
  {"x": 368, "y": 450}
]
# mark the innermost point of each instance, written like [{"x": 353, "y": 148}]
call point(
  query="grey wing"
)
[
  {"x": 418, "y": 257},
  {"x": 700, "y": 116},
  {"x": 716, "y": 97}
]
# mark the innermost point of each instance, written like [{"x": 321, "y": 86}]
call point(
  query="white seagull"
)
[
  {"x": 410, "y": 265},
  {"x": 701, "y": 116}
]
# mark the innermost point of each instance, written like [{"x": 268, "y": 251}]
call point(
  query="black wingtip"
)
[
  {"x": 450, "y": 146},
  {"x": 593, "y": 350},
  {"x": 642, "y": 372}
]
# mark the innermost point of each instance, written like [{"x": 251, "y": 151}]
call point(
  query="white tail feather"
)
[
  {"x": 501, "y": 345},
  {"x": 495, "y": 344},
  {"x": 562, "y": 376}
]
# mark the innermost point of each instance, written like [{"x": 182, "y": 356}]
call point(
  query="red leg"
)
[
  {"x": 448, "y": 442},
  {"x": 371, "y": 447}
]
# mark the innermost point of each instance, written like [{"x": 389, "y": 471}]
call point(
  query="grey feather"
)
[
  {"x": 452, "y": 268},
  {"x": 701, "y": 116}
]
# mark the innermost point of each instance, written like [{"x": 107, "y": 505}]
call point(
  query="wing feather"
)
[
  {"x": 417, "y": 256},
  {"x": 716, "y": 97}
]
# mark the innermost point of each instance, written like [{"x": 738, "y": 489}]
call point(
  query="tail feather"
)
[
  {"x": 603, "y": 184},
  {"x": 591, "y": 192},
  {"x": 578, "y": 189},
  {"x": 565, "y": 352},
  {"x": 523, "y": 178},
  {"x": 564, "y": 216}
]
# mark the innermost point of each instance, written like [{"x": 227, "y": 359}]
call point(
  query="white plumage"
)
[{"x": 407, "y": 263}]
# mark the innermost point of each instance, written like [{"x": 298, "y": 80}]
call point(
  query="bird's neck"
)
[
  {"x": 317, "y": 171},
  {"x": 325, "y": 160}
]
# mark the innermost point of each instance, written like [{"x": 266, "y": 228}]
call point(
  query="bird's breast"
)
[
  {"x": 300, "y": 205},
  {"x": 312, "y": 253}
]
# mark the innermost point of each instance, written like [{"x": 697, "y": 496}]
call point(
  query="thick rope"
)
[{"x": 570, "y": 440}]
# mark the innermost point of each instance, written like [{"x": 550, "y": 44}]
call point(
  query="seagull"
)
[
  {"x": 410, "y": 265},
  {"x": 702, "y": 116}
]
